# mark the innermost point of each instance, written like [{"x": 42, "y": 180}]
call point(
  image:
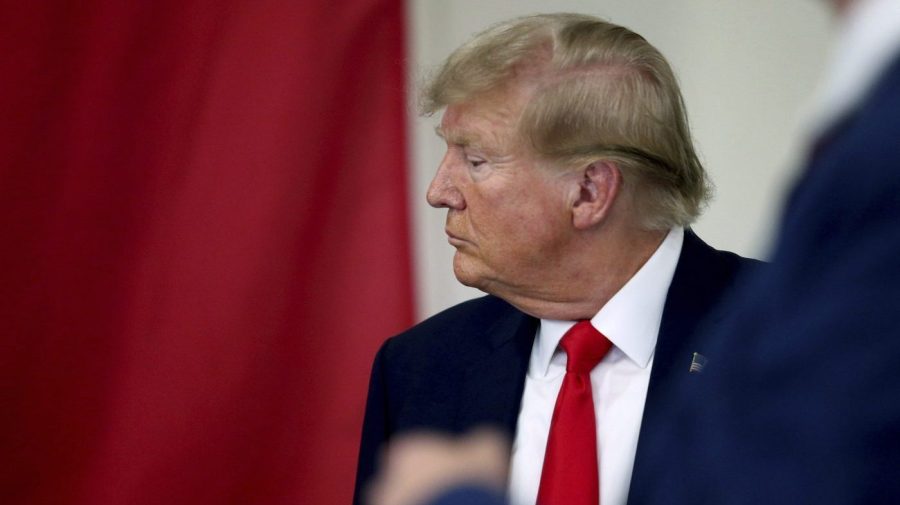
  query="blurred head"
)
[
  {"x": 841, "y": 6},
  {"x": 593, "y": 91}
]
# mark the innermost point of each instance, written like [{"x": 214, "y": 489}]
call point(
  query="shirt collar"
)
[{"x": 631, "y": 318}]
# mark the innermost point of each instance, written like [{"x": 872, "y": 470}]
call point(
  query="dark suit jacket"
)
[
  {"x": 803, "y": 403},
  {"x": 466, "y": 366}
]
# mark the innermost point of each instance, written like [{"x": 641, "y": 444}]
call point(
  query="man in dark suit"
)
[
  {"x": 800, "y": 399},
  {"x": 569, "y": 180}
]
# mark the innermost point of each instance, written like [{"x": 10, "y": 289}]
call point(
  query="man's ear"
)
[{"x": 598, "y": 188}]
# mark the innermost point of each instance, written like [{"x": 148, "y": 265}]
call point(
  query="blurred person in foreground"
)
[
  {"x": 569, "y": 181},
  {"x": 800, "y": 400},
  {"x": 803, "y": 403},
  {"x": 438, "y": 469}
]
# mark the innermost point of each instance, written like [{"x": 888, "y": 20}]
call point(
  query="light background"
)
[{"x": 746, "y": 68}]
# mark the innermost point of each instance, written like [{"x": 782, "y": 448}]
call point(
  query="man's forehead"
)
[{"x": 478, "y": 121}]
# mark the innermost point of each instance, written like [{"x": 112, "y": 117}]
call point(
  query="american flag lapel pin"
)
[{"x": 698, "y": 361}]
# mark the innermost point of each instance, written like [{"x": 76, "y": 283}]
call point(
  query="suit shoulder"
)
[
  {"x": 700, "y": 256},
  {"x": 461, "y": 325},
  {"x": 732, "y": 262},
  {"x": 475, "y": 311}
]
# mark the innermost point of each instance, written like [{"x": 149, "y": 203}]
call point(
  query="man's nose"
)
[{"x": 442, "y": 192}]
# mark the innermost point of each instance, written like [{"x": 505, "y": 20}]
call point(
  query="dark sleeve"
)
[
  {"x": 375, "y": 427},
  {"x": 469, "y": 495},
  {"x": 801, "y": 400}
]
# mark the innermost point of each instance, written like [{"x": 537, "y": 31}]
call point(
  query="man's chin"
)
[
  {"x": 466, "y": 274},
  {"x": 466, "y": 279}
]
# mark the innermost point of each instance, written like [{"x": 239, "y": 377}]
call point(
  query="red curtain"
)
[{"x": 203, "y": 240}]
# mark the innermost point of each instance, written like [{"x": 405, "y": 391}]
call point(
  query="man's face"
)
[{"x": 507, "y": 217}]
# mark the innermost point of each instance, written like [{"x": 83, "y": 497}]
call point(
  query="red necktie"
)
[{"x": 570, "y": 474}]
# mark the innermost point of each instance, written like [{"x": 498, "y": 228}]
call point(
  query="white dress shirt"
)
[{"x": 630, "y": 320}]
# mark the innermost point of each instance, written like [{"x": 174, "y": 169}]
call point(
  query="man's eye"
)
[{"x": 475, "y": 162}]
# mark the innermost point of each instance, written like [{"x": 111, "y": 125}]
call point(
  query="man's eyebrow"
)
[{"x": 455, "y": 137}]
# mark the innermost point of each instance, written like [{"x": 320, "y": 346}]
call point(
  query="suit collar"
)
[
  {"x": 693, "y": 292},
  {"x": 701, "y": 279},
  {"x": 509, "y": 327},
  {"x": 493, "y": 383}
]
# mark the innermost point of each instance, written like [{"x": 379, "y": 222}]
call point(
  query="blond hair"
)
[{"x": 602, "y": 92}]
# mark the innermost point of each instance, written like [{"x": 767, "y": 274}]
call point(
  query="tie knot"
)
[{"x": 584, "y": 346}]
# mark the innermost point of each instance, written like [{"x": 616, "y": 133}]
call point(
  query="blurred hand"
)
[{"x": 418, "y": 467}]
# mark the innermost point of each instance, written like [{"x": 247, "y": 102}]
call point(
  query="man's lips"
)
[{"x": 454, "y": 239}]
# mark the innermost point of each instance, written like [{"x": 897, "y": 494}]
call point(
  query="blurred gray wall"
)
[{"x": 747, "y": 69}]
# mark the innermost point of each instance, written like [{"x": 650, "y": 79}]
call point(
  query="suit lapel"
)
[
  {"x": 696, "y": 287},
  {"x": 688, "y": 301},
  {"x": 493, "y": 384}
]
